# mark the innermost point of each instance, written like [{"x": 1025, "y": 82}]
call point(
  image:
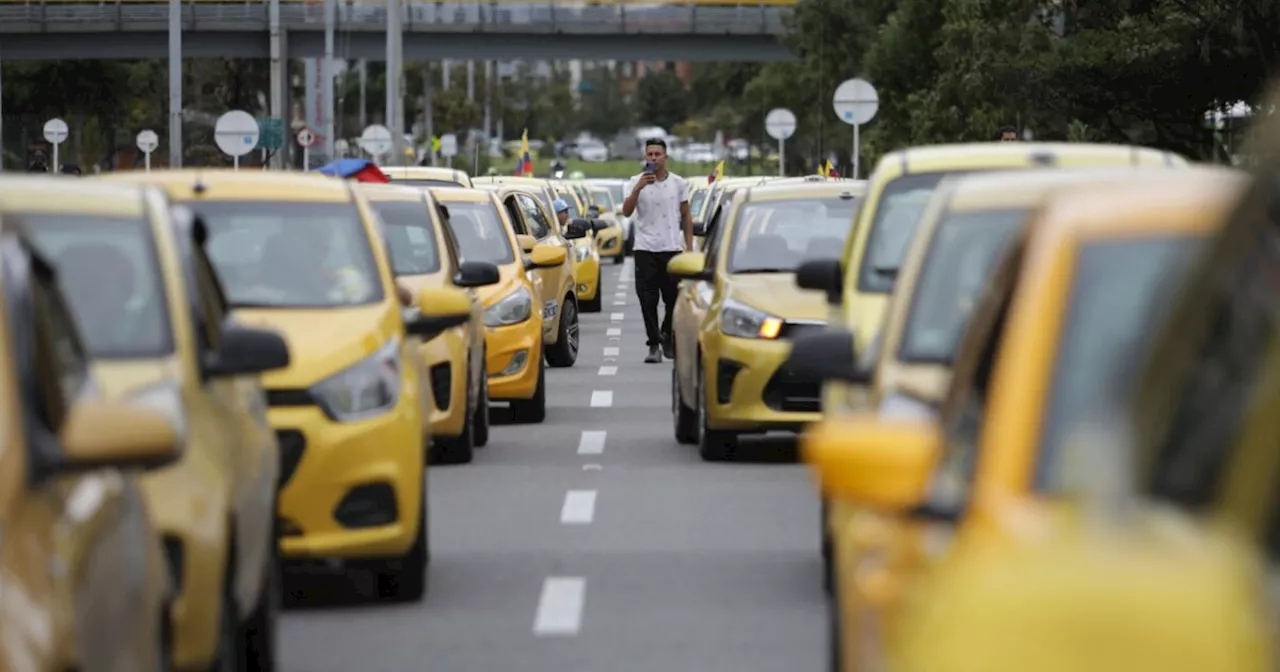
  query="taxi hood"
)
[
  {"x": 509, "y": 281},
  {"x": 324, "y": 341},
  {"x": 777, "y": 294},
  {"x": 119, "y": 377}
]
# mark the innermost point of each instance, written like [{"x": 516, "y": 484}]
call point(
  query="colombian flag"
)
[
  {"x": 828, "y": 170},
  {"x": 716, "y": 174},
  {"x": 525, "y": 166}
]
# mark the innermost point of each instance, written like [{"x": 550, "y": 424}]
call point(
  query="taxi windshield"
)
[
  {"x": 697, "y": 202},
  {"x": 603, "y": 198},
  {"x": 776, "y": 236},
  {"x": 1117, "y": 292},
  {"x": 110, "y": 271},
  {"x": 574, "y": 212},
  {"x": 901, "y": 205},
  {"x": 961, "y": 256},
  {"x": 291, "y": 255},
  {"x": 411, "y": 241},
  {"x": 480, "y": 233}
]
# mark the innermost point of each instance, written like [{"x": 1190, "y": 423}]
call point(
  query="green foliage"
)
[{"x": 661, "y": 99}]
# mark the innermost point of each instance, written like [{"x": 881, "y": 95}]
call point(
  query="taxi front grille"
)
[
  {"x": 791, "y": 392},
  {"x": 288, "y": 397},
  {"x": 792, "y": 330}
]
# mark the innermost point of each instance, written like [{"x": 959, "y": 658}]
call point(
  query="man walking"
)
[{"x": 658, "y": 201}]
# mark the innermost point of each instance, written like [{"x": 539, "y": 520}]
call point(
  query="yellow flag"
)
[{"x": 824, "y": 169}]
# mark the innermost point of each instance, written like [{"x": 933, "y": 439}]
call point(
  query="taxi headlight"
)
[
  {"x": 742, "y": 321},
  {"x": 514, "y": 308},
  {"x": 366, "y": 388}
]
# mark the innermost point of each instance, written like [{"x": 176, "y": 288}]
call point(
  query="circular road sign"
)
[
  {"x": 148, "y": 141},
  {"x": 780, "y": 123},
  {"x": 855, "y": 101},
  {"x": 376, "y": 139},
  {"x": 305, "y": 137},
  {"x": 55, "y": 131},
  {"x": 236, "y": 133}
]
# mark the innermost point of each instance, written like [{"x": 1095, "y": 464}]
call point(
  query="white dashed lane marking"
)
[
  {"x": 614, "y": 331},
  {"x": 617, "y": 317},
  {"x": 592, "y": 442},
  {"x": 611, "y": 352},
  {"x": 560, "y": 606},
  {"x": 601, "y": 398},
  {"x": 579, "y": 507},
  {"x": 608, "y": 370}
]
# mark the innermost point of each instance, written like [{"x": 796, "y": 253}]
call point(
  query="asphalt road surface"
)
[{"x": 594, "y": 542}]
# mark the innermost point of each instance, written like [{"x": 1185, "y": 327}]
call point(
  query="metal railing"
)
[{"x": 511, "y": 16}]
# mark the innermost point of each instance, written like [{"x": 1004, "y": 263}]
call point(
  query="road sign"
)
[
  {"x": 780, "y": 124},
  {"x": 236, "y": 134},
  {"x": 148, "y": 141},
  {"x": 306, "y": 138},
  {"x": 855, "y": 101},
  {"x": 55, "y": 131},
  {"x": 448, "y": 145},
  {"x": 376, "y": 139},
  {"x": 271, "y": 133}
]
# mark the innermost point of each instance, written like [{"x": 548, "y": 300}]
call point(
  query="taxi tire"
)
[
  {"x": 480, "y": 417},
  {"x": 260, "y": 629},
  {"x": 565, "y": 351},
  {"x": 461, "y": 448},
  {"x": 594, "y": 305},
  {"x": 532, "y": 410},
  {"x": 405, "y": 580},
  {"x": 713, "y": 445},
  {"x": 835, "y": 647},
  {"x": 828, "y": 570},
  {"x": 230, "y": 656},
  {"x": 684, "y": 418},
  {"x": 618, "y": 259}
]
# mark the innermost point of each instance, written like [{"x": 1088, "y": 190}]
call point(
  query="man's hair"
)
[
  {"x": 1005, "y": 129},
  {"x": 656, "y": 141}
]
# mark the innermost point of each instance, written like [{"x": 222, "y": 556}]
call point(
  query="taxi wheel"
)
[
  {"x": 618, "y": 259},
  {"x": 458, "y": 449},
  {"x": 835, "y": 647},
  {"x": 405, "y": 580},
  {"x": 593, "y": 306},
  {"x": 260, "y": 630},
  {"x": 565, "y": 352},
  {"x": 230, "y": 656},
  {"x": 532, "y": 410},
  {"x": 480, "y": 416},
  {"x": 685, "y": 418},
  {"x": 828, "y": 572},
  {"x": 713, "y": 445}
]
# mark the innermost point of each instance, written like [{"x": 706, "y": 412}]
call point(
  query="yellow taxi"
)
[
  {"x": 155, "y": 324},
  {"x": 513, "y": 327},
  {"x": 738, "y": 310},
  {"x": 617, "y": 193},
  {"x": 703, "y": 200},
  {"x": 897, "y": 193},
  {"x": 83, "y": 578},
  {"x": 609, "y": 238},
  {"x": 961, "y": 233},
  {"x": 424, "y": 253},
  {"x": 534, "y": 225},
  {"x": 426, "y": 176},
  {"x": 1063, "y": 311},
  {"x": 545, "y": 193},
  {"x": 586, "y": 258},
  {"x": 302, "y": 253}
]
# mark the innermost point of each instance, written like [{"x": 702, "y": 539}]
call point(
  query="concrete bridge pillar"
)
[
  {"x": 280, "y": 84},
  {"x": 175, "y": 83}
]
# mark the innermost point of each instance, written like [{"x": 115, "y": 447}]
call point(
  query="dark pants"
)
[{"x": 652, "y": 280}]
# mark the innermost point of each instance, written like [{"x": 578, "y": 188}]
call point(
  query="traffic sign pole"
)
[
  {"x": 147, "y": 141},
  {"x": 780, "y": 124},
  {"x": 306, "y": 138},
  {"x": 236, "y": 133},
  {"x": 55, "y": 131},
  {"x": 856, "y": 102}
]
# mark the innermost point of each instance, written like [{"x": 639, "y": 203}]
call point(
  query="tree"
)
[{"x": 661, "y": 99}]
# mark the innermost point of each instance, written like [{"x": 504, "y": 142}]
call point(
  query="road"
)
[{"x": 595, "y": 542}]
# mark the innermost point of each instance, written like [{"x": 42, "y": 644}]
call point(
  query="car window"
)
[
  {"x": 291, "y": 254},
  {"x": 697, "y": 201},
  {"x": 110, "y": 271},
  {"x": 480, "y": 233},
  {"x": 776, "y": 236},
  {"x": 603, "y": 198},
  {"x": 1118, "y": 288},
  {"x": 67, "y": 354},
  {"x": 574, "y": 211},
  {"x": 902, "y": 203},
  {"x": 960, "y": 258},
  {"x": 411, "y": 242},
  {"x": 538, "y": 226}
]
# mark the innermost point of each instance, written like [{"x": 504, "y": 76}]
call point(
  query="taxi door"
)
[
  {"x": 515, "y": 219},
  {"x": 692, "y": 303}
]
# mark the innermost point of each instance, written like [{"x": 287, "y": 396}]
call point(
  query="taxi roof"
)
[
  {"x": 1190, "y": 201},
  {"x": 1022, "y": 188},
  {"x": 787, "y": 192},
  {"x": 462, "y": 194},
  {"x": 961, "y": 155},
  {"x": 70, "y": 195},
  {"x": 389, "y": 192},
  {"x": 508, "y": 179},
  {"x": 240, "y": 185},
  {"x": 530, "y": 189},
  {"x": 426, "y": 173}
]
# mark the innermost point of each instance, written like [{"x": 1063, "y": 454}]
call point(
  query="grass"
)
[{"x": 618, "y": 168}]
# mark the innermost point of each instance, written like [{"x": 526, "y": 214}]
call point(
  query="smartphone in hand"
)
[{"x": 649, "y": 167}]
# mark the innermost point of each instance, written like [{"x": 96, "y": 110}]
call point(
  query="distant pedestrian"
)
[
  {"x": 561, "y": 207},
  {"x": 1007, "y": 134},
  {"x": 658, "y": 201}
]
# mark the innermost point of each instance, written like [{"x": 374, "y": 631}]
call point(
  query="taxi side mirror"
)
[
  {"x": 476, "y": 274},
  {"x": 246, "y": 350},
  {"x": 699, "y": 228},
  {"x": 439, "y": 310},
  {"x": 887, "y": 464},
  {"x": 526, "y": 242},
  {"x": 547, "y": 256},
  {"x": 689, "y": 266},
  {"x": 100, "y": 433},
  {"x": 577, "y": 228},
  {"x": 826, "y": 355},
  {"x": 823, "y": 275},
  {"x": 593, "y": 211}
]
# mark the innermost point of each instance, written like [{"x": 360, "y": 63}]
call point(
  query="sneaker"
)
[
  {"x": 669, "y": 348},
  {"x": 655, "y": 357}
]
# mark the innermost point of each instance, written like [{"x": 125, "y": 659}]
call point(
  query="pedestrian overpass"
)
[{"x": 668, "y": 30}]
